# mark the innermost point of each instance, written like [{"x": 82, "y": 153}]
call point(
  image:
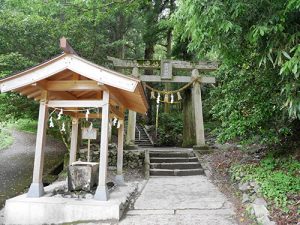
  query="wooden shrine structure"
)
[
  {"x": 72, "y": 84},
  {"x": 166, "y": 68}
]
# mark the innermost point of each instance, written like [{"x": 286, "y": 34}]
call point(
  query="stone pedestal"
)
[
  {"x": 59, "y": 210},
  {"x": 82, "y": 176}
]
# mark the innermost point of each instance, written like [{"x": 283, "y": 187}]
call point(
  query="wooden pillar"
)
[
  {"x": 109, "y": 131},
  {"x": 130, "y": 134},
  {"x": 74, "y": 138},
  {"x": 119, "y": 177},
  {"x": 197, "y": 103},
  {"x": 102, "y": 191},
  {"x": 37, "y": 188},
  {"x": 189, "y": 136}
]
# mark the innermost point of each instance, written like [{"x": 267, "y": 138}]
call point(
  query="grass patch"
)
[
  {"x": 278, "y": 178},
  {"x": 27, "y": 125},
  {"x": 6, "y": 139}
]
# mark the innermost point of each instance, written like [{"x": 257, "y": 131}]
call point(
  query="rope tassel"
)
[
  {"x": 179, "y": 96},
  {"x": 158, "y": 98},
  {"x": 51, "y": 122},
  {"x": 63, "y": 129},
  {"x": 87, "y": 115},
  {"x": 60, "y": 114},
  {"x": 172, "y": 98},
  {"x": 166, "y": 98},
  {"x": 115, "y": 121},
  {"x": 152, "y": 95}
]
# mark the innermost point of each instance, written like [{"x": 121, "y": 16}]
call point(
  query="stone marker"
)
[{"x": 82, "y": 176}]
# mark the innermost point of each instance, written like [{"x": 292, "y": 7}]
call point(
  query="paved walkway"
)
[
  {"x": 191, "y": 200},
  {"x": 16, "y": 163}
]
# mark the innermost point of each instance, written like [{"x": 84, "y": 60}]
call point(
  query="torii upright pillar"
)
[{"x": 197, "y": 105}]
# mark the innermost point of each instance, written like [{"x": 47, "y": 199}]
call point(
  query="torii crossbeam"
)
[{"x": 166, "y": 68}]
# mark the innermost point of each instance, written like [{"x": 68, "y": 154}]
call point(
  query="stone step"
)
[
  {"x": 172, "y": 159},
  {"x": 176, "y": 172},
  {"x": 144, "y": 145},
  {"x": 142, "y": 140},
  {"x": 171, "y": 154},
  {"x": 182, "y": 165}
]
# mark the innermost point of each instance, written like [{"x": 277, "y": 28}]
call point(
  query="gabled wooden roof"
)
[{"x": 69, "y": 76}]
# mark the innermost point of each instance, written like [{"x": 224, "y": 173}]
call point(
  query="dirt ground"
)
[
  {"x": 16, "y": 163},
  {"x": 215, "y": 165}
]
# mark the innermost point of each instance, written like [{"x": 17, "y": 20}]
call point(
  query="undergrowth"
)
[
  {"x": 278, "y": 178},
  {"x": 5, "y": 137},
  {"x": 27, "y": 125}
]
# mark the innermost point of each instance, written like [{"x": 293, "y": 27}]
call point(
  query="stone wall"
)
[{"x": 131, "y": 159}]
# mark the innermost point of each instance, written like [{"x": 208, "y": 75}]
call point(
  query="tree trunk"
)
[{"x": 189, "y": 138}]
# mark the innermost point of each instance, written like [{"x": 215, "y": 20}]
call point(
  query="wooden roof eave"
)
[{"x": 73, "y": 63}]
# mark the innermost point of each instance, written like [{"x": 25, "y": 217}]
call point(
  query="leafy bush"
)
[
  {"x": 170, "y": 129},
  {"x": 278, "y": 178},
  {"x": 5, "y": 137},
  {"x": 28, "y": 125}
]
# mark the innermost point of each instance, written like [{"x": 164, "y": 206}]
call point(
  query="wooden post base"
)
[
  {"x": 36, "y": 190},
  {"x": 102, "y": 193}
]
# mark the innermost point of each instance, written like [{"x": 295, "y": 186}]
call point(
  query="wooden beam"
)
[
  {"x": 34, "y": 94},
  {"x": 62, "y": 75},
  {"x": 66, "y": 47},
  {"x": 176, "y": 79},
  {"x": 63, "y": 95},
  {"x": 27, "y": 90},
  {"x": 75, "y": 103},
  {"x": 72, "y": 85},
  {"x": 118, "y": 113}
]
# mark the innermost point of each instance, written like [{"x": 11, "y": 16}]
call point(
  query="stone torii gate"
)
[{"x": 166, "y": 68}]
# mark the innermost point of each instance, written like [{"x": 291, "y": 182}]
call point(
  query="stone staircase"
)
[
  {"x": 141, "y": 137},
  {"x": 174, "y": 163}
]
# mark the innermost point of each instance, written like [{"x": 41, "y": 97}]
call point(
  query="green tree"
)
[{"x": 258, "y": 45}]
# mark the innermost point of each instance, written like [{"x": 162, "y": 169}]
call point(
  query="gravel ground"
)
[{"x": 16, "y": 163}]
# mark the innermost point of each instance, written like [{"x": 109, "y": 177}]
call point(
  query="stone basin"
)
[{"x": 82, "y": 176}]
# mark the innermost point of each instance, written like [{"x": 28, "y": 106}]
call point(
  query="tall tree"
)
[{"x": 258, "y": 44}]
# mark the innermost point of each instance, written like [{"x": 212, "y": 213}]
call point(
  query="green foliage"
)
[
  {"x": 170, "y": 129},
  {"x": 278, "y": 178},
  {"x": 5, "y": 136},
  {"x": 27, "y": 125},
  {"x": 258, "y": 45}
]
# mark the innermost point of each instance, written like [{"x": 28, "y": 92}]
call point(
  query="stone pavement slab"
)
[{"x": 189, "y": 200}]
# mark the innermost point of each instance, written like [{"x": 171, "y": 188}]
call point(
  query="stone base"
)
[
  {"x": 202, "y": 149},
  {"x": 131, "y": 147},
  {"x": 119, "y": 179},
  {"x": 36, "y": 190},
  {"x": 55, "y": 210}
]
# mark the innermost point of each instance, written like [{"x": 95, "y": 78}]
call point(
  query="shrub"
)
[
  {"x": 5, "y": 137},
  {"x": 278, "y": 178},
  {"x": 27, "y": 125},
  {"x": 170, "y": 129}
]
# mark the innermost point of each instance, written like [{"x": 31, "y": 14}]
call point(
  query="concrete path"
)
[
  {"x": 16, "y": 163},
  {"x": 190, "y": 200}
]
